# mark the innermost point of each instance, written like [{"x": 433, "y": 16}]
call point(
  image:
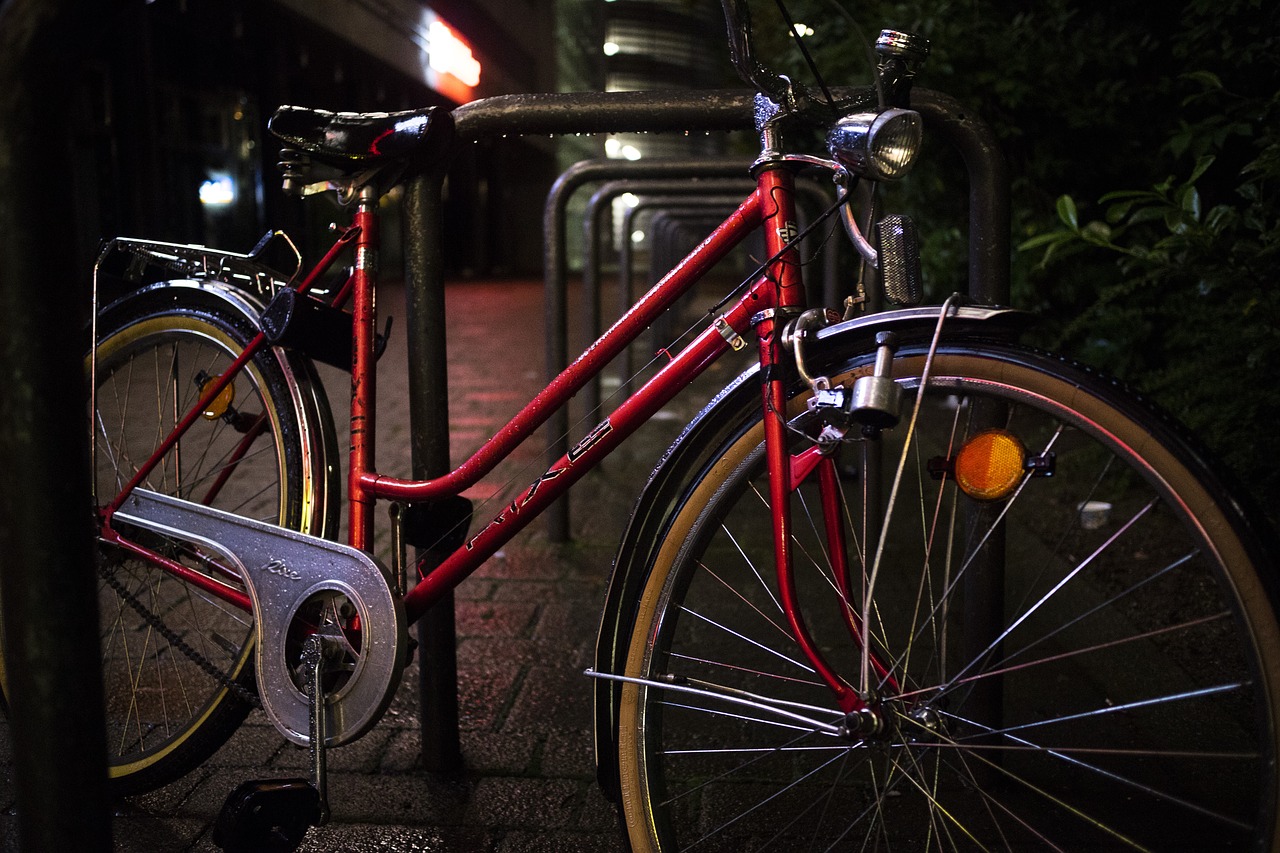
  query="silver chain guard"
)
[{"x": 282, "y": 570}]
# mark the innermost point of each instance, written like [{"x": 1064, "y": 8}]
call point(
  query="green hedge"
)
[{"x": 1144, "y": 144}]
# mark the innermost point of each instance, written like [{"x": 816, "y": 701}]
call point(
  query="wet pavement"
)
[{"x": 526, "y": 625}]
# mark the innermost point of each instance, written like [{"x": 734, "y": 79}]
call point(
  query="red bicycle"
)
[{"x": 903, "y": 584}]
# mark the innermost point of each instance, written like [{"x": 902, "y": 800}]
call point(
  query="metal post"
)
[
  {"x": 47, "y": 579},
  {"x": 429, "y": 421},
  {"x": 989, "y": 217},
  {"x": 556, "y": 272}
]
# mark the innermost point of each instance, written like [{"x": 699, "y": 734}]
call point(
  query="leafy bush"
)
[
  {"x": 1193, "y": 310},
  {"x": 1143, "y": 140}
]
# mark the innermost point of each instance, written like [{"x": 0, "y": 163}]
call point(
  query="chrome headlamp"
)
[{"x": 881, "y": 146}]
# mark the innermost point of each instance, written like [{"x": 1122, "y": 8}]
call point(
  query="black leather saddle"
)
[{"x": 359, "y": 142}]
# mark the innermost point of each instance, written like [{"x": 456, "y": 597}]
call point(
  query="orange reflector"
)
[
  {"x": 990, "y": 465},
  {"x": 218, "y": 405}
]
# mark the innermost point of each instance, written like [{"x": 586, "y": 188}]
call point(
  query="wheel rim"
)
[{"x": 1114, "y": 666}]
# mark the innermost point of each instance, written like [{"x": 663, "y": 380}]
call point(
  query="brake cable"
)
[{"x": 804, "y": 51}]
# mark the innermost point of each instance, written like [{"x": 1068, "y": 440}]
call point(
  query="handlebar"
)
[
  {"x": 900, "y": 54},
  {"x": 737, "y": 18}
]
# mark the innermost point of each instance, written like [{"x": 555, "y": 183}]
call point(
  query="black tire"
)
[
  {"x": 1116, "y": 690},
  {"x": 177, "y": 662}
]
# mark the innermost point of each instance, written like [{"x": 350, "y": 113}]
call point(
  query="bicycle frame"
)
[{"x": 779, "y": 287}]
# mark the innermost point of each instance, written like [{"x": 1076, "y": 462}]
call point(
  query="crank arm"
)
[
  {"x": 313, "y": 659},
  {"x": 680, "y": 684}
]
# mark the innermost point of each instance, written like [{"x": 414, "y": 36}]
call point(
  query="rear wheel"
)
[
  {"x": 177, "y": 661},
  {"x": 1087, "y": 663}
]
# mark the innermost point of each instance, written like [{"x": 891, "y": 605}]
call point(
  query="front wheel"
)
[{"x": 1088, "y": 663}]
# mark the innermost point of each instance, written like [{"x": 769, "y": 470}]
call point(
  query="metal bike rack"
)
[
  {"x": 989, "y": 237},
  {"x": 615, "y": 112},
  {"x": 556, "y": 274},
  {"x": 556, "y": 268},
  {"x": 673, "y": 232},
  {"x": 599, "y": 205},
  {"x": 662, "y": 205},
  {"x": 808, "y": 193},
  {"x": 425, "y": 323},
  {"x": 666, "y": 195}
]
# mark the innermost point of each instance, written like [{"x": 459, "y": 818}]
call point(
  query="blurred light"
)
[
  {"x": 615, "y": 148},
  {"x": 637, "y": 236},
  {"x": 218, "y": 191},
  {"x": 629, "y": 199},
  {"x": 611, "y": 48},
  {"x": 802, "y": 30},
  {"x": 451, "y": 55},
  {"x": 411, "y": 125},
  {"x": 448, "y": 65}
]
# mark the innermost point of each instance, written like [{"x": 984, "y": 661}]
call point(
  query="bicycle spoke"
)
[
  {"x": 1057, "y": 587},
  {"x": 762, "y": 803},
  {"x": 730, "y": 589},
  {"x": 744, "y": 638}
]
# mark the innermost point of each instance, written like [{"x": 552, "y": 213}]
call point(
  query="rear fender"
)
[{"x": 307, "y": 389}]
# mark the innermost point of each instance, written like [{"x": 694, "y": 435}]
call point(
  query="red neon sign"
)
[{"x": 451, "y": 68}]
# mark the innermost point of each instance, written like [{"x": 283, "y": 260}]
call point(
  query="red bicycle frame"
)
[{"x": 776, "y": 294}]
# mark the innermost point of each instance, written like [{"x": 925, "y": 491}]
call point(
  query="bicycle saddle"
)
[{"x": 354, "y": 141}]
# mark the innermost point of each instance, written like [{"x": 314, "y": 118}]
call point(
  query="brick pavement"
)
[{"x": 526, "y": 626}]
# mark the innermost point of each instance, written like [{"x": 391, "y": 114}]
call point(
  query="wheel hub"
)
[{"x": 890, "y": 722}]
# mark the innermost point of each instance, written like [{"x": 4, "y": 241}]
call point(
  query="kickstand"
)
[{"x": 273, "y": 815}]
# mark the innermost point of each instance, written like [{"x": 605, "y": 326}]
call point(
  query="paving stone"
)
[
  {"x": 527, "y": 803},
  {"x": 568, "y": 752},
  {"x": 562, "y": 842},
  {"x": 375, "y": 838},
  {"x": 554, "y": 699},
  {"x": 495, "y": 618},
  {"x": 497, "y": 753}
]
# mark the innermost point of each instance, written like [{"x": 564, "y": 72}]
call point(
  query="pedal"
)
[{"x": 267, "y": 816}]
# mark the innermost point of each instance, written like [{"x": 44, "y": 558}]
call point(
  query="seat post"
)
[{"x": 363, "y": 374}]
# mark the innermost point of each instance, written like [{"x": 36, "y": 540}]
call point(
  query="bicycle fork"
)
[{"x": 786, "y": 472}]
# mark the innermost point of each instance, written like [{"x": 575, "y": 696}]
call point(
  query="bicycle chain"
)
[{"x": 238, "y": 690}]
